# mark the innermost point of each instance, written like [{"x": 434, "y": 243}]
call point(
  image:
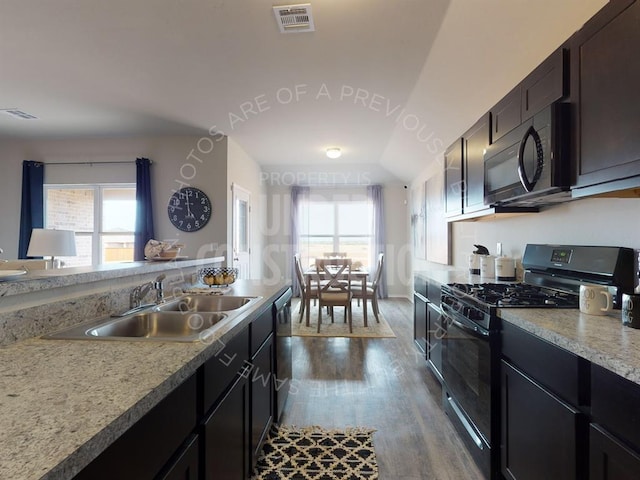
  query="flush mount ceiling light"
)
[
  {"x": 334, "y": 152},
  {"x": 17, "y": 113}
]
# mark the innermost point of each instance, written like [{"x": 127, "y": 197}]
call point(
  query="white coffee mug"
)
[
  {"x": 595, "y": 300},
  {"x": 487, "y": 266}
]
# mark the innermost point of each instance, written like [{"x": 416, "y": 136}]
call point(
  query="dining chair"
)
[
  {"x": 371, "y": 292},
  {"x": 334, "y": 254},
  {"x": 333, "y": 283},
  {"x": 305, "y": 291}
]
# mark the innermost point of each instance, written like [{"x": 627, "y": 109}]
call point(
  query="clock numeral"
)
[
  {"x": 203, "y": 201},
  {"x": 188, "y": 226},
  {"x": 197, "y": 223},
  {"x": 203, "y": 217},
  {"x": 181, "y": 222}
]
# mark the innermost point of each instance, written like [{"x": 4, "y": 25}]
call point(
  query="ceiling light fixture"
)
[
  {"x": 17, "y": 113},
  {"x": 334, "y": 152}
]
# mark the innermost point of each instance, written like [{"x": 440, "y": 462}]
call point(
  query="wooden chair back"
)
[
  {"x": 378, "y": 274},
  {"x": 335, "y": 254},
  {"x": 333, "y": 275}
]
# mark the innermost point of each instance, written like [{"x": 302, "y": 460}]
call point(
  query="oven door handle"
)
[{"x": 475, "y": 331}]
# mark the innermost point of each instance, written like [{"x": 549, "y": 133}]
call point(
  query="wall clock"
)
[{"x": 189, "y": 209}]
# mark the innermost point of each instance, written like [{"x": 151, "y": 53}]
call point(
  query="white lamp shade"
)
[{"x": 52, "y": 243}]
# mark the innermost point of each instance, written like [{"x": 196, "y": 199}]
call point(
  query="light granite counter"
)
[
  {"x": 602, "y": 340},
  {"x": 62, "y": 402}
]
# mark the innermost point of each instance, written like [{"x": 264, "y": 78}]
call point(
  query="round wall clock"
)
[{"x": 189, "y": 209}]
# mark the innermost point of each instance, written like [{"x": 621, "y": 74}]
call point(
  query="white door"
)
[{"x": 241, "y": 231}]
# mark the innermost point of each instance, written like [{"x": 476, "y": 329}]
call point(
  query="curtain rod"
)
[{"x": 91, "y": 163}]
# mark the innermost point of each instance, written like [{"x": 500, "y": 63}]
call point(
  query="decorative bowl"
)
[{"x": 218, "y": 276}]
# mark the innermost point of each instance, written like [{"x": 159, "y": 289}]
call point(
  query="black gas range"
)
[{"x": 471, "y": 349}]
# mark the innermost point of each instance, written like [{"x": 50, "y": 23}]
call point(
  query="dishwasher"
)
[{"x": 282, "y": 316}]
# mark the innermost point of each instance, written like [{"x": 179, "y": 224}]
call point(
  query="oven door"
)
[{"x": 466, "y": 368}]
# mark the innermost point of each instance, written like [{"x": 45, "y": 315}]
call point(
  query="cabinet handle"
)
[{"x": 465, "y": 423}]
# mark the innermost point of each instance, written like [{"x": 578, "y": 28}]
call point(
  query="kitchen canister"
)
[
  {"x": 474, "y": 263},
  {"x": 505, "y": 269},
  {"x": 487, "y": 266}
]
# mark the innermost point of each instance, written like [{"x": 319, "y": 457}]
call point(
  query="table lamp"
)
[{"x": 53, "y": 243}]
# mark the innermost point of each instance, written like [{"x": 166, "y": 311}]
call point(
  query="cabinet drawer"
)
[
  {"x": 218, "y": 372},
  {"x": 562, "y": 372},
  {"x": 261, "y": 328},
  {"x": 615, "y": 404},
  {"x": 420, "y": 286}
]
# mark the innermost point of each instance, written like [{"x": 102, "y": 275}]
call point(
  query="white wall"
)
[
  {"x": 176, "y": 161},
  {"x": 245, "y": 172}
]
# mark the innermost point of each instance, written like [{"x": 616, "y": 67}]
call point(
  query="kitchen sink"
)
[
  {"x": 206, "y": 303},
  {"x": 150, "y": 325}
]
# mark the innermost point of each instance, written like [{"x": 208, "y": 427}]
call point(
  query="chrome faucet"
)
[{"x": 139, "y": 292}]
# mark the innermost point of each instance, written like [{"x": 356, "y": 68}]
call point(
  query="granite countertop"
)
[
  {"x": 602, "y": 340},
  {"x": 62, "y": 402}
]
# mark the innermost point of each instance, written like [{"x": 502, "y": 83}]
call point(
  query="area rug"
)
[
  {"x": 315, "y": 453},
  {"x": 339, "y": 328}
]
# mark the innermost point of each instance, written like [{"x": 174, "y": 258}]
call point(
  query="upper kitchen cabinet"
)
[
  {"x": 475, "y": 143},
  {"x": 545, "y": 85},
  {"x": 453, "y": 184},
  {"x": 605, "y": 78}
]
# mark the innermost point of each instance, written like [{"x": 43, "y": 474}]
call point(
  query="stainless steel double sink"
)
[{"x": 186, "y": 319}]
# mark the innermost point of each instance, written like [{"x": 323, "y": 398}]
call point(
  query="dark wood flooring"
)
[{"x": 381, "y": 383}]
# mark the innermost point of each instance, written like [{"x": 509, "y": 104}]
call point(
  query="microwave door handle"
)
[{"x": 529, "y": 184}]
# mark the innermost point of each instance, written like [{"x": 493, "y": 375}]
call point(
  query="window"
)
[
  {"x": 339, "y": 224},
  {"x": 103, "y": 217}
]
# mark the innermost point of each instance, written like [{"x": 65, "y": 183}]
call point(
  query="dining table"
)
[{"x": 359, "y": 274}]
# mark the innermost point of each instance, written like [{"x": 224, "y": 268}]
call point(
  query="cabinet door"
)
[
  {"x": 453, "y": 183},
  {"x": 609, "y": 459},
  {"x": 420, "y": 322},
  {"x": 185, "y": 467},
  {"x": 261, "y": 380},
  {"x": 226, "y": 435},
  {"x": 539, "y": 432},
  {"x": 506, "y": 114},
  {"x": 476, "y": 141},
  {"x": 544, "y": 85},
  {"x": 606, "y": 76},
  {"x": 435, "y": 333}
]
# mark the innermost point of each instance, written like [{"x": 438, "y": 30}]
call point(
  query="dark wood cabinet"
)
[
  {"x": 543, "y": 424},
  {"x": 186, "y": 465},
  {"x": 145, "y": 449},
  {"x": 609, "y": 459},
  {"x": 435, "y": 332},
  {"x": 475, "y": 143},
  {"x": 506, "y": 114},
  {"x": 226, "y": 444},
  {"x": 262, "y": 395},
  {"x": 546, "y": 84},
  {"x": 604, "y": 89},
  {"x": 453, "y": 179},
  {"x": 539, "y": 432},
  {"x": 420, "y": 322}
]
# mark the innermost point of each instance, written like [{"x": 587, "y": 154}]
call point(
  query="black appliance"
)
[
  {"x": 530, "y": 165},
  {"x": 283, "y": 369},
  {"x": 471, "y": 349}
]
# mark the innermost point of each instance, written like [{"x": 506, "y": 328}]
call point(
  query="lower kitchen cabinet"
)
[
  {"x": 614, "y": 436},
  {"x": 539, "y": 431},
  {"x": 226, "y": 435},
  {"x": 609, "y": 459},
  {"x": 187, "y": 464},
  {"x": 420, "y": 322},
  {"x": 543, "y": 428},
  {"x": 150, "y": 445},
  {"x": 435, "y": 332},
  {"x": 262, "y": 396}
]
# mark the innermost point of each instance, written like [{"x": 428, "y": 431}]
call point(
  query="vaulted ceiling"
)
[{"x": 391, "y": 82}]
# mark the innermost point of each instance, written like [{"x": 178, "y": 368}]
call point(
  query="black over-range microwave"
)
[{"x": 530, "y": 165}]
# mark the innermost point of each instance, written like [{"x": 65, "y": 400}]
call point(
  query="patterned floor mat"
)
[{"x": 315, "y": 453}]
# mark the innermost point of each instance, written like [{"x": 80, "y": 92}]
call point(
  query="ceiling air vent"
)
[
  {"x": 294, "y": 18},
  {"x": 14, "y": 112}
]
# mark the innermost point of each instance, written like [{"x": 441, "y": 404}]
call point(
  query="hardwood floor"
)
[{"x": 381, "y": 383}]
